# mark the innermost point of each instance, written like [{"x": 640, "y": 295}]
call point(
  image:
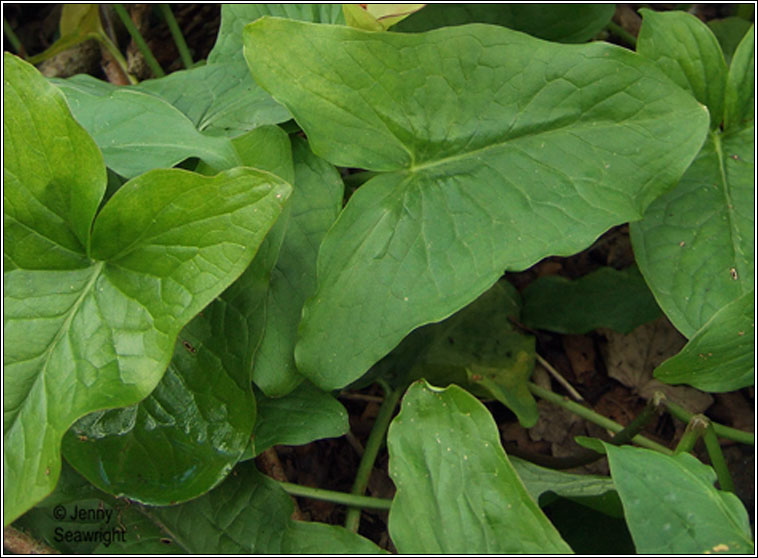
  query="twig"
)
[
  {"x": 269, "y": 461},
  {"x": 18, "y": 542},
  {"x": 560, "y": 379},
  {"x": 13, "y": 39},
  {"x": 717, "y": 458}
]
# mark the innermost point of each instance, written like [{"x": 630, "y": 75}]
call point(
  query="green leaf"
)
[
  {"x": 485, "y": 166},
  {"x": 315, "y": 204},
  {"x": 234, "y": 17},
  {"x": 247, "y": 514},
  {"x": 574, "y": 23},
  {"x": 454, "y": 479},
  {"x": 619, "y": 300},
  {"x": 219, "y": 99},
  {"x": 479, "y": 349},
  {"x": 688, "y": 52},
  {"x": 541, "y": 480},
  {"x": 91, "y": 319},
  {"x": 740, "y": 86},
  {"x": 720, "y": 356},
  {"x": 695, "y": 244},
  {"x": 181, "y": 440},
  {"x": 138, "y": 132},
  {"x": 729, "y": 32},
  {"x": 672, "y": 506},
  {"x": 203, "y": 410},
  {"x": 300, "y": 417}
]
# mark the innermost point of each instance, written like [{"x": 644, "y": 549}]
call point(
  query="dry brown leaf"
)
[{"x": 631, "y": 359}]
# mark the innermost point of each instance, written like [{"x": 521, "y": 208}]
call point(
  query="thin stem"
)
[
  {"x": 592, "y": 416},
  {"x": 370, "y": 451},
  {"x": 13, "y": 39},
  {"x": 717, "y": 458},
  {"x": 621, "y": 33},
  {"x": 695, "y": 428},
  {"x": 139, "y": 40},
  {"x": 366, "y": 502},
  {"x": 722, "y": 431},
  {"x": 176, "y": 33},
  {"x": 586, "y": 456},
  {"x": 560, "y": 379}
]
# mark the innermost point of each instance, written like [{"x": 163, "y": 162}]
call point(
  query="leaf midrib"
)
[{"x": 96, "y": 272}]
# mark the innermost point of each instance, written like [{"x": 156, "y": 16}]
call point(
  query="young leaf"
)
[
  {"x": 479, "y": 349},
  {"x": 91, "y": 318},
  {"x": 494, "y": 150},
  {"x": 695, "y": 245},
  {"x": 300, "y": 417},
  {"x": 568, "y": 23},
  {"x": 138, "y": 132},
  {"x": 454, "y": 479},
  {"x": 672, "y": 506},
  {"x": 377, "y": 17},
  {"x": 720, "y": 356},
  {"x": 79, "y": 23},
  {"x": 688, "y": 52},
  {"x": 729, "y": 32},
  {"x": 619, "y": 300}
]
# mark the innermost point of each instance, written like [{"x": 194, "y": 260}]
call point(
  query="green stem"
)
[
  {"x": 13, "y": 39},
  {"x": 176, "y": 33},
  {"x": 695, "y": 428},
  {"x": 117, "y": 56},
  {"x": 717, "y": 458},
  {"x": 621, "y": 33},
  {"x": 139, "y": 40},
  {"x": 587, "y": 456},
  {"x": 594, "y": 417},
  {"x": 337, "y": 497},
  {"x": 373, "y": 444},
  {"x": 720, "y": 430}
]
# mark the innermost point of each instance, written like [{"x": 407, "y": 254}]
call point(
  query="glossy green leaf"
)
[
  {"x": 672, "y": 506},
  {"x": 247, "y": 514},
  {"x": 454, "y": 479},
  {"x": 485, "y": 166},
  {"x": 729, "y": 32},
  {"x": 619, "y": 300},
  {"x": 315, "y": 204},
  {"x": 568, "y": 23},
  {"x": 187, "y": 435},
  {"x": 300, "y": 417},
  {"x": 688, "y": 52},
  {"x": 138, "y": 132},
  {"x": 91, "y": 324},
  {"x": 721, "y": 355}
]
